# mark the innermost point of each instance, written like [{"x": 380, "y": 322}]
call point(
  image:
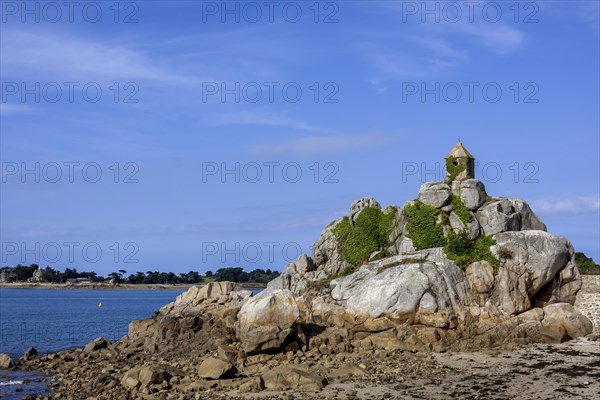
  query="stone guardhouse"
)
[{"x": 460, "y": 164}]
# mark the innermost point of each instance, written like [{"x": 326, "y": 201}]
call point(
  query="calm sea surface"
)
[{"x": 53, "y": 319}]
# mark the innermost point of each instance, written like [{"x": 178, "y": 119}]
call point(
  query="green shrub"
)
[
  {"x": 369, "y": 233},
  {"x": 461, "y": 210},
  {"x": 421, "y": 226},
  {"x": 463, "y": 251}
]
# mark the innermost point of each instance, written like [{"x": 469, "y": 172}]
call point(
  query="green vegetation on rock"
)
[
  {"x": 422, "y": 228},
  {"x": 425, "y": 232},
  {"x": 461, "y": 210},
  {"x": 464, "y": 251},
  {"x": 369, "y": 233},
  {"x": 586, "y": 265}
]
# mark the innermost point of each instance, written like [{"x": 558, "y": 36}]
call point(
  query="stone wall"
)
[{"x": 588, "y": 300}]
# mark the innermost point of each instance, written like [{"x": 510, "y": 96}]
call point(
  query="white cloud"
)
[
  {"x": 265, "y": 118},
  {"x": 49, "y": 55},
  {"x": 319, "y": 144},
  {"x": 567, "y": 205}
]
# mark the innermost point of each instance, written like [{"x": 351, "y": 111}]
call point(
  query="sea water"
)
[{"x": 57, "y": 319}]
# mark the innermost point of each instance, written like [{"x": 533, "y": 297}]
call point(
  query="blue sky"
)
[{"x": 362, "y": 98}]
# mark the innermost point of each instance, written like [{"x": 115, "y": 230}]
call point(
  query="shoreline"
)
[{"x": 122, "y": 286}]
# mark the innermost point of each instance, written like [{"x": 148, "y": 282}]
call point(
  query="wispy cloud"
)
[
  {"x": 9, "y": 109},
  {"x": 266, "y": 118},
  {"x": 425, "y": 50},
  {"x": 422, "y": 57},
  {"x": 320, "y": 144},
  {"x": 499, "y": 38},
  {"x": 567, "y": 205},
  {"x": 51, "y": 55}
]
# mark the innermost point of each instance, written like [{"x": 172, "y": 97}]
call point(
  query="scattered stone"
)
[
  {"x": 6, "y": 362},
  {"x": 252, "y": 386},
  {"x": 284, "y": 378},
  {"x": 96, "y": 344},
  {"x": 215, "y": 368}
]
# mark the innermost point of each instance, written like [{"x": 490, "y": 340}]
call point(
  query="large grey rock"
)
[
  {"x": 436, "y": 194},
  {"x": 531, "y": 260},
  {"x": 542, "y": 254},
  {"x": 404, "y": 287},
  {"x": 264, "y": 322},
  {"x": 472, "y": 193},
  {"x": 498, "y": 216},
  {"x": 503, "y": 215}
]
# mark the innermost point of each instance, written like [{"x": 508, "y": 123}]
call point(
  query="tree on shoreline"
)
[{"x": 22, "y": 273}]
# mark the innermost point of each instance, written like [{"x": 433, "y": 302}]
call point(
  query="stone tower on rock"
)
[{"x": 460, "y": 164}]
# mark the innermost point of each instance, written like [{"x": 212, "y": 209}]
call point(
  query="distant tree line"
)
[{"x": 23, "y": 273}]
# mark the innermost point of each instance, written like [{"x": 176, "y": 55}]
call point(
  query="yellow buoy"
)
[{"x": 99, "y": 304}]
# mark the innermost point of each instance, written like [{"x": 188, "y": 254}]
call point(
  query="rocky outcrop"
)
[
  {"x": 322, "y": 309},
  {"x": 192, "y": 301},
  {"x": 406, "y": 298}
]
